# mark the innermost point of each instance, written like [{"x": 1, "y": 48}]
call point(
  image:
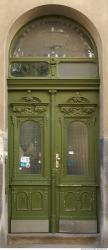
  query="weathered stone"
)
[
  {"x": 84, "y": 240},
  {"x": 1, "y": 183}
]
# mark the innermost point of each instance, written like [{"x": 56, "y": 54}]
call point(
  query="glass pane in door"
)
[
  {"x": 77, "y": 154},
  {"x": 30, "y": 148}
]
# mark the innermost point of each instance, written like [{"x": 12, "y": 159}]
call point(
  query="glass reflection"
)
[
  {"x": 77, "y": 155},
  {"x": 53, "y": 36},
  {"x": 77, "y": 70},
  {"x": 30, "y": 148},
  {"x": 25, "y": 69}
]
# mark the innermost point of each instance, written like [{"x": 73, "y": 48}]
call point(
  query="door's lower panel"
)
[
  {"x": 29, "y": 226},
  {"x": 78, "y": 203},
  {"x": 78, "y": 209},
  {"x": 78, "y": 226},
  {"x": 30, "y": 209},
  {"x": 30, "y": 203}
]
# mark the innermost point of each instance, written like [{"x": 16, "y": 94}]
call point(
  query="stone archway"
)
[{"x": 42, "y": 9}]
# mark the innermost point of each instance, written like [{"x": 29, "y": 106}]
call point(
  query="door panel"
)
[
  {"x": 53, "y": 142},
  {"x": 76, "y": 145},
  {"x": 29, "y": 160}
]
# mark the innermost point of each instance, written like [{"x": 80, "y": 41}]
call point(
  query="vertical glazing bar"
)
[{"x": 53, "y": 172}]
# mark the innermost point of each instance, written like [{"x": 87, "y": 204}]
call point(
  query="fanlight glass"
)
[
  {"x": 53, "y": 36},
  {"x": 77, "y": 70},
  {"x": 29, "y": 69}
]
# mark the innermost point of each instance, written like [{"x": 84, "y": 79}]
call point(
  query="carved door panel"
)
[
  {"x": 76, "y": 146},
  {"x": 29, "y": 160}
]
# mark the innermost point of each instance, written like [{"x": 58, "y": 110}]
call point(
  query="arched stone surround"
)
[{"x": 79, "y": 13}]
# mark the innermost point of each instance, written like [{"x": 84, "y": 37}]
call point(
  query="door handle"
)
[{"x": 57, "y": 160}]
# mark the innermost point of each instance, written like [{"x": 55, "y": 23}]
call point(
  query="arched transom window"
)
[{"x": 53, "y": 46}]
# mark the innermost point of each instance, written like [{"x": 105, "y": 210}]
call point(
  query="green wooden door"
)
[
  {"x": 29, "y": 154},
  {"x": 76, "y": 145},
  {"x": 53, "y": 159}
]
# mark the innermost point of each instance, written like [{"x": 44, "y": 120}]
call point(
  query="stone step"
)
[{"x": 54, "y": 240}]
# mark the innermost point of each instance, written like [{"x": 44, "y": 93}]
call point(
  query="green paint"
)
[
  {"x": 44, "y": 98},
  {"x": 27, "y": 67},
  {"x": 53, "y": 194}
]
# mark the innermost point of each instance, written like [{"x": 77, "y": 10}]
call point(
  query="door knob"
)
[{"x": 57, "y": 160}]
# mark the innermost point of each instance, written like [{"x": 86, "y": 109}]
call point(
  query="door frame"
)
[{"x": 52, "y": 85}]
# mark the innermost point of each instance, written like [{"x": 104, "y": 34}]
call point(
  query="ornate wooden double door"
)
[{"x": 53, "y": 159}]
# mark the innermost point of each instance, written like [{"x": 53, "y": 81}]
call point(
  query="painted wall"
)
[{"x": 94, "y": 16}]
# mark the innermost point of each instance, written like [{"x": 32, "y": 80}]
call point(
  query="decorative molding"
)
[
  {"x": 36, "y": 201},
  {"x": 29, "y": 108},
  {"x": 77, "y": 106},
  {"x": 29, "y": 201},
  {"x": 12, "y": 120},
  {"x": 79, "y": 201},
  {"x": 30, "y": 105},
  {"x": 52, "y": 91},
  {"x": 31, "y": 99},
  {"x": 22, "y": 203},
  {"x": 77, "y": 99},
  {"x": 76, "y": 111}
]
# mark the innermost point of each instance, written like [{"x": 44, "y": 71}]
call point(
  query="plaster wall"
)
[{"x": 94, "y": 16}]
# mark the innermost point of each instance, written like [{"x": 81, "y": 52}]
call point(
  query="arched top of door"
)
[
  {"x": 53, "y": 40},
  {"x": 53, "y": 36}
]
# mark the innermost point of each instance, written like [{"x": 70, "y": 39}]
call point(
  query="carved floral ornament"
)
[
  {"x": 77, "y": 106},
  {"x": 28, "y": 109},
  {"x": 31, "y": 105}
]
